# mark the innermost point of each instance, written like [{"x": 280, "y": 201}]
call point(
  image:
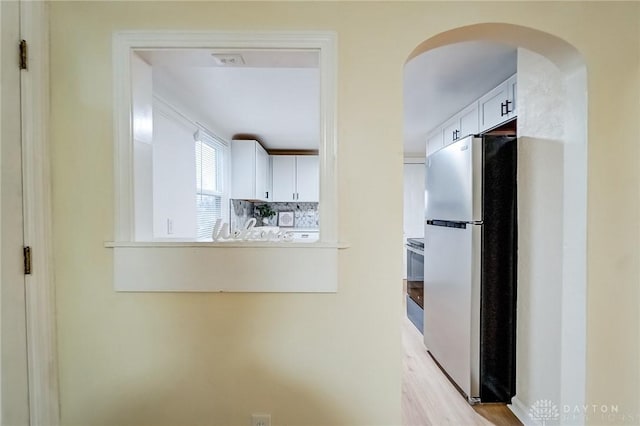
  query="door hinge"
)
[
  {"x": 23, "y": 55},
  {"x": 27, "y": 260}
]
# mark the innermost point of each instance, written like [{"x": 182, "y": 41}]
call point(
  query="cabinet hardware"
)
[
  {"x": 504, "y": 108},
  {"x": 267, "y": 194}
]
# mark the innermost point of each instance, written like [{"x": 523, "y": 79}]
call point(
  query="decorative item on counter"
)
[
  {"x": 285, "y": 219},
  {"x": 265, "y": 212},
  {"x": 249, "y": 232}
]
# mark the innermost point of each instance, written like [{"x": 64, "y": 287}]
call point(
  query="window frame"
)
[
  {"x": 222, "y": 158},
  {"x": 125, "y": 42}
]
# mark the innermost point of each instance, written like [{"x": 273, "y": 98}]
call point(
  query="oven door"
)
[
  {"x": 415, "y": 264},
  {"x": 415, "y": 275},
  {"x": 415, "y": 287}
]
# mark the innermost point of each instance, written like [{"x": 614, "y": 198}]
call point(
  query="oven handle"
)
[{"x": 415, "y": 250}]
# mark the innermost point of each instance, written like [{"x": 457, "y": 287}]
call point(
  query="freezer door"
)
[
  {"x": 453, "y": 182},
  {"x": 452, "y": 302}
]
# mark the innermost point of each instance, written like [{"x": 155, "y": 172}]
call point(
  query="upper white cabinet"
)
[
  {"x": 307, "y": 178},
  {"x": 249, "y": 171},
  {"x": 513, "y": 88},
  {"x": 499, "y": 105},
  {"x": 263, "y": 174},
  {"x": 462, "y": 124},
  {"x": 296, "y": 178},
  {"x": 434, "y": 141},
  {"x": 450, "y": 130},
  {"x": 494, "y": 108},
  {"x": 284, "y": 177},
  {"x": 469, "y": 124}
]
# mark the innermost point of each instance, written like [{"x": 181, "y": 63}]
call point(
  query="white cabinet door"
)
[
  {"x": 492, "y": 107},
  {"x": 450, "y": 130},
  {"x": 249, "y": 170},
  {"x": 284, "y": 177},
  {"x": 307, "y": 178},
  {"x": 262, "y": 174},
  {"x": 498, "y": 105},
  {"x": 243, "y": 172},
  {"x": 434, "y": 141},
  {"x": 512, "y": 82},
  {"x": 469, "y": 121},
  {"x": 296, "y": 178},
  {"x": 462, "y": 124}
]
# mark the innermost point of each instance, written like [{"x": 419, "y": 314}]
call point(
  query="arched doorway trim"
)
[{"x": 570, "y": 144}]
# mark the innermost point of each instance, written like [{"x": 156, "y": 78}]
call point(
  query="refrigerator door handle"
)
[{"x": 448, "y": 224}]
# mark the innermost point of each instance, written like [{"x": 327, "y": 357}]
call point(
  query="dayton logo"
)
[{"x": 543, "y": 411}]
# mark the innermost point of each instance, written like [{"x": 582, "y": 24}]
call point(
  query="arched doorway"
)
[{"x": 552, "y": 181}]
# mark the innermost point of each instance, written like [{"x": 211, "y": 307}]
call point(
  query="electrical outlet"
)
[{"x": 261, "y": 420}]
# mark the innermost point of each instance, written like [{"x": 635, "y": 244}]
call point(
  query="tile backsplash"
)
[
  {"x": 240, "y": 212},
  {"x": 305, "y": 214}
]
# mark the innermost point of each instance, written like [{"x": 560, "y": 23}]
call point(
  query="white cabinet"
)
[
  {"x": 296, "y": 178},
  {"x": 492, "y": 109},
  {"x": 307, "y": 178},
  {"x": 284, "y": 177},
  {"x": 263, "y": 173},
  {"x": 513, "y": 90},
  {"x": 469, "y": 124},
  {"x": 250, "y": 171},
  {"x": 499, "y": 105},
  {"x": 434, "y": 141},
  {"x": 460, "y": 125},
  {"x": 450, "y": 130}
]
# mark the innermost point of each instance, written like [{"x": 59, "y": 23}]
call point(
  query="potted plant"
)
[{"x": 265, "y": 212}]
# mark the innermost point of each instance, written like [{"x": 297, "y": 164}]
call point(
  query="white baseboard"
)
[{"x": 521, "y": 411}]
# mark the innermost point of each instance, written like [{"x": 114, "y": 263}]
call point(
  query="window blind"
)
[{"x": 209, "y": 190}]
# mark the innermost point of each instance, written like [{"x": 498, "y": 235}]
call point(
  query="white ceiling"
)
[
  {"x": 275, "y": 94},
  {"x": 442, "y": 81}
]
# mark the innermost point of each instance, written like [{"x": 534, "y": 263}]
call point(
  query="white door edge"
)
[{"x": 41, "y": 326}]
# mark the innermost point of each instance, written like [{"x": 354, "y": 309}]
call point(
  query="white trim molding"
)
[
  {"x": 40, "y": 300},
  {"x": 521, "y": 412},
  {"x": 414, "y": 160},
  {"x": 124, "y": 42},
  {"x": 224, "y": 267}
]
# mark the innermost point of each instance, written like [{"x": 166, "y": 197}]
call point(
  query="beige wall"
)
[{"x": 314, "y": 359}]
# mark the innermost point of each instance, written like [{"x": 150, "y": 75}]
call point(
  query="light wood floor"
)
[{"x": 428, "y": 398}]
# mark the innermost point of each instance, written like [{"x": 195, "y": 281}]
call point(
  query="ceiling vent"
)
[{"x": 228, "y": 60}]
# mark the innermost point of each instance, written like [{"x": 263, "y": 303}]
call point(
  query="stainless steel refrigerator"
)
[{"x": 470, "y": 265}]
